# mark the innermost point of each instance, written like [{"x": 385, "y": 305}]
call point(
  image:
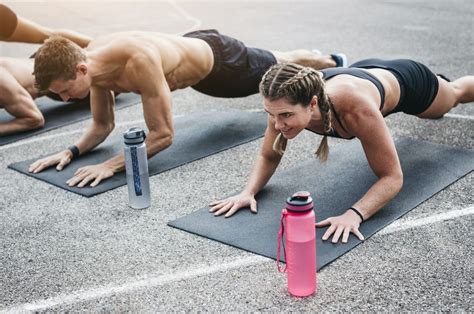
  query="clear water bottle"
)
[
  {"x": 297, "y": 227},
  {"x": 136, "y": 167}
]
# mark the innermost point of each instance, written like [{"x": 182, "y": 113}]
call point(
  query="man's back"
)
[{"x": 184, "y": 61}]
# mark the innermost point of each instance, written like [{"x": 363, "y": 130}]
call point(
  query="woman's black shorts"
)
[{"x": 418, "y": 85}]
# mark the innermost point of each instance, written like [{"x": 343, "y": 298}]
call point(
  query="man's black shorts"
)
[{"x": 237, "y": 69}]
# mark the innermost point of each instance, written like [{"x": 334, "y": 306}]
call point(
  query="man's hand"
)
[
  {"x": 60, "y": 159},
  {"x": 232, "y": 204},
  {"x": 94, "y": 173},
  {"x": 343, "y": 224}
]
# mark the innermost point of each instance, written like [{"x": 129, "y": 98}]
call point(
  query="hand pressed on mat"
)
[
  {"x": 343, "y": 224},
  {"x": 60, "y": 159},
  {"x": 232, "y": 204},
  {"x": 94, "y": 173}
]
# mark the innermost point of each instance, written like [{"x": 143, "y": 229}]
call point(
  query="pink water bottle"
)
[{"x": 297, "y": 227}]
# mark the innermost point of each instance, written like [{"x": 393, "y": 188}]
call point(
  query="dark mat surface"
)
[
  {"x": 196, "y": 136},
  {"x": 58, "y": 114},
  {"x": 428, "y": 168}
]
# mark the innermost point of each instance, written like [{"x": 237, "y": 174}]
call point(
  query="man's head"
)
[{"x": 60, "y": 66}]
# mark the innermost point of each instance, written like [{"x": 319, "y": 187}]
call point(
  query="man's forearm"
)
[{"x": 93, "y": 136}]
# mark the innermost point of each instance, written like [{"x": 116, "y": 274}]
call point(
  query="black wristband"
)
[
  {"x": 358, "y": 213},
  {"x": 74, "y": 150}
]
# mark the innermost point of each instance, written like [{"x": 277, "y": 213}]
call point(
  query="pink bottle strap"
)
[{"x": 281, "y": 232}]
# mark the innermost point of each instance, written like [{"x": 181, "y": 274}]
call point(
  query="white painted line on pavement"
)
[
  {"x": 255, "y": 110},
  {"x": 160, "y": 280},
  {"x": 458, "y": 116},
  {"x": 404, "y": 225},
  {"x": 128, "y": 287}
]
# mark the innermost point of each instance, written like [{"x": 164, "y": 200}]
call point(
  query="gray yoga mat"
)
[
  {"x": 428, "y": 168},
  {"x": 58, "y": 114},
  {"x": 196, "y": 136}
]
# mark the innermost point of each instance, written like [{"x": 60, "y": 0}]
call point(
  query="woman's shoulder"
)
[{"x": 348, "y": 96}]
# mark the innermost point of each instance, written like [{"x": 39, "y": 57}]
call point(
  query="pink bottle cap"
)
[{"x": 300, "y": 201}]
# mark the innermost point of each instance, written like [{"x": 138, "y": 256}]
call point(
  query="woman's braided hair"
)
[{"x": 298, "y": 85}]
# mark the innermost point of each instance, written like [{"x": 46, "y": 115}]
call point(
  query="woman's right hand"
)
[{"x": 232, "y": 204}]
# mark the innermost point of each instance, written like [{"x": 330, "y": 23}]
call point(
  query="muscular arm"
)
[
  {"x": 266, "y": 164},
  {"x": 264, "y": 167},
  {"x": 103, "y": 116},
  {"x": 368, "y": 125},
  {"x": 365, "y": 121},
  {"x": 18, "y": 102},
  {"x": 102, "y": 108},
  {"x": 146, "y": 73}
]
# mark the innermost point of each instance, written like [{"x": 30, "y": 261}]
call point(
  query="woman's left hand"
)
[{"x": 341, "y": 225}]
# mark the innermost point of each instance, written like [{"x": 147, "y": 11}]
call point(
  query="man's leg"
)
[{"x": 309, "y": 59}]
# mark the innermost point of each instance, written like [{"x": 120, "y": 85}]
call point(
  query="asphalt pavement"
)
[{"x": 63, "y": 252}]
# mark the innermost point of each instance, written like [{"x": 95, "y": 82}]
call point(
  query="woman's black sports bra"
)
[{"x": 330, "y": 73}]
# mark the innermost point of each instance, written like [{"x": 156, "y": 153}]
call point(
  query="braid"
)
[
  {"x": 300, "y": 76},
  {"x": 325, "y": 107}
]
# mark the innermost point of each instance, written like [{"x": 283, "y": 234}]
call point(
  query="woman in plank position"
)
[{"x": 347, "y": 103}]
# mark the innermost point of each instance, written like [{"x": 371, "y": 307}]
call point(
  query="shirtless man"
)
[
  {"x": 17, "y": 83},
  {"x": 152, "y": 65}
]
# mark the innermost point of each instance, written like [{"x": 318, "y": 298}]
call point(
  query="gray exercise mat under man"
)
[
  {"x": 335, "y": 186},
  {"x": 196, "y": 136},
  {"x": 58, "y": 114}
]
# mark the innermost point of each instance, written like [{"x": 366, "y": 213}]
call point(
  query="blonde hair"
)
[
  {"x": 57, "y": 58},
  {"x": 298, "y": 85}
]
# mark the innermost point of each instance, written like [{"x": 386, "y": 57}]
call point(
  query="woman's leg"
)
[{"x": 450, "y": 94}]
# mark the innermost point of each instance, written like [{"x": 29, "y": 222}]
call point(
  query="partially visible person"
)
[
  {"x": 17, "y": 83},
  {"x": 152, "y": 65},
  {"x": 347, "y": 103},
  {"x": 14, "y": 28}
]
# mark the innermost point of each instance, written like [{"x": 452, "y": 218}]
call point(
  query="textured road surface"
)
[{"x": 63, "y": 252}]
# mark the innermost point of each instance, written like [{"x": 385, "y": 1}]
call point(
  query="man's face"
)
[{"x": 75, "y": 88}]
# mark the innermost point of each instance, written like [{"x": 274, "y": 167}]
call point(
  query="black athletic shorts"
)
[
  {"x": 418, "y": 85},
  {"x": 237, "y": 69}
]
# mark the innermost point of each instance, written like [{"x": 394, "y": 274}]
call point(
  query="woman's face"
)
[{"x": 287, "y": 118}]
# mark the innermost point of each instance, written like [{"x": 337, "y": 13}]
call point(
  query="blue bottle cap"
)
[{"x": 134, "y": 136}]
